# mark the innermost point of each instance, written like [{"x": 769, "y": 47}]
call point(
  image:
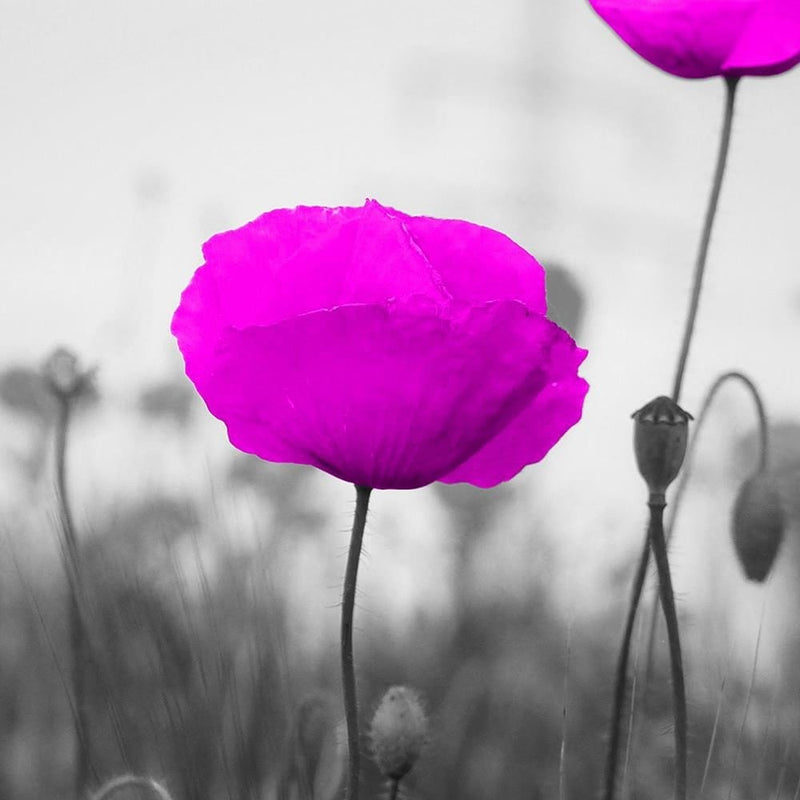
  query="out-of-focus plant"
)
[
  {"x": 169, "y": 400},
  {"x": 566, "y": 303},
  {"x": 24, "y": 392},
  {"x": 68, "y": 382}
]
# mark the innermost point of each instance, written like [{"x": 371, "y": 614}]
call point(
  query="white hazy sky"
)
[{"x": 131, "y": 132}]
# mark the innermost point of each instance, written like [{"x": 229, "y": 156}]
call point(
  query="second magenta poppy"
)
[{"x": 703, "y": 38}]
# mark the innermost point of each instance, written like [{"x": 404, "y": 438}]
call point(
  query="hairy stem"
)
[
  {"x": 656, "y": 504},
  {"x": 348, "y": 670},
  {"x": 683, "y": 479},
  {"x": 705, "y": 238}
]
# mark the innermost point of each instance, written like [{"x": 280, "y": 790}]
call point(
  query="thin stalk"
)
[
  {"x": 700, "y": 264},
  {"x": 622, "y": 672},
  {"x": 631, "y": 736},
  {"x": 348, "y": 670},
  {"x": 711, "y": 211},
  {"x": 77, "y": 634},
  {"x": 782, "y": 771},
  {"x": 763, "y": 435},
  {"x": 656, "y": 504},
  {"x": 749, "y": 697},
  {"x": 714, "y": 732},
  {"x": 393, "y": 788},
  {"x": 562, "y": 755}
]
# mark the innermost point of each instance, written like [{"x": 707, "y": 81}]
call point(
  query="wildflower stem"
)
[
  {"x": 747, "y": 700},
  {"x": 348, "y": 672},
  {"x": 763, "y": 434},
  {"x": 656, "y": 504},
  {"x": 683, "y": 480},
  {"x": 622, "y": 672},
  {"x": 77, "y": 634},
  {"x": 393, "y": 788},
  {"x": 705, "y": 238}
]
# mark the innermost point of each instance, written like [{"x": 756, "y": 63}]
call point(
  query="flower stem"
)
[
  {"x": 711, "y": 211},
  {"x": 393, "y": 788},
  {"x": 622, "y": 672},
  {"x": 731, "y": 83},
  {"x": 348, "y": 672},
  {"x": 77, "y": 634},
  {"x": 656, "y": 504},
  {"x": 683, "y": 480}
]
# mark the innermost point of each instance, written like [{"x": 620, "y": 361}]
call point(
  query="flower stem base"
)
[{"x": 348, "y": 668}]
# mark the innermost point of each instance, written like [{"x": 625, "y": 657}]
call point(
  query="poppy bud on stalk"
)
[
  {"x": 758, "y": 524},
  {"x": 661, "y": 431},
  {"x": 399, "y": 731}
]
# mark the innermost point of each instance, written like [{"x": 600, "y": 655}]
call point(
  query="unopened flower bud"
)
[
  {"x": 398, "y": 732},
  {"x": 758, "y": 525},
  {"x": 661, "y": 431},
  {"x": 63, "y": 374}
]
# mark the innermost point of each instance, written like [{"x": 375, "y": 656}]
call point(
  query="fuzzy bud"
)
[
  {"x": 660, "y": 434},
  {"x": 758, "y": 525},
  {"x": 398, "y": 732}
]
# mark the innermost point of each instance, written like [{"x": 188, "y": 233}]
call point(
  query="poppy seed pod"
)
[
  {"x": 758, "y": 523},
  {"x": 398, "y": 732},
  {"x": 661, "y": 431}
]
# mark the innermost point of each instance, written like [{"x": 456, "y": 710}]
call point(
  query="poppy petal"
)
[
  {"x": 478, "y": 264},
  {"x": 769, "y": 43},
  {"x": 392, "y": 395},
  {"x": 687, "y": 38},
  {"x": 529, "y": 437},
  {"x": 290, "y": 262}
]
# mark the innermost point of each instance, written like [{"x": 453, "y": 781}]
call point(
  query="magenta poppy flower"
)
[
  {"x": 702, "y": 38},
  {"x": 389, "y": 350}
]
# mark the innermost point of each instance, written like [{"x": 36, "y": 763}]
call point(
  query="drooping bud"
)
[
  {"x": 758, "y": 525},
  {"x": 660, "y": 434},
  {"x": 398, "y": 732}
]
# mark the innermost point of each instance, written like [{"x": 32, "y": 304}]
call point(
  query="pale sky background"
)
[{"x": 131, "y": 132}]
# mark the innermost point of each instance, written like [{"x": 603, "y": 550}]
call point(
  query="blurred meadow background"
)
[{"x": 131, "y": 133}]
